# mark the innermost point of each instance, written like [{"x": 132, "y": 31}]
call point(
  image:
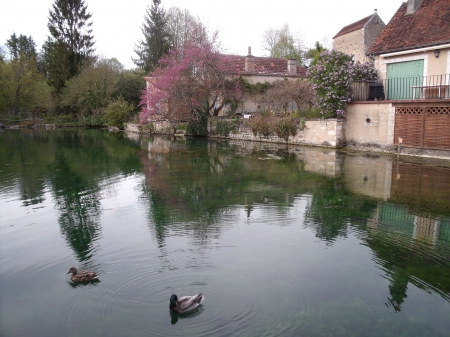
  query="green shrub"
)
[
  {"x": 117, "y": 112},
  {"x": 285, "y": 127},
  {"x": 14, "y": 119},
  {"x": 223, "y": 128},
  {"x": 181, "y": 126},
  {"x": 302, "y": 124},
  {"x": 197, "y": 126},
  {"x": 95, "y": 120},
  {"x": 148, "y": 128},
  {"x": 261, "y": 126},
  {"x": 65, "y": 119}
]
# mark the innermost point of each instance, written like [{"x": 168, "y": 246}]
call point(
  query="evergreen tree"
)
[
  {"x": 21, "y": 45},
  {"x": 71, "y": 42},
  {"x": 156, "y": 38},
  {"x": 313, "y": 54}
]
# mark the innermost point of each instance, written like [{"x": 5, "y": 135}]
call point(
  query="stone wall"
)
[
  {"x": 370, "y": 124},
  {"x": 160, "y": 127},
  {"x": 352, "y": 43},
  {"x": 318, "y": 132}
]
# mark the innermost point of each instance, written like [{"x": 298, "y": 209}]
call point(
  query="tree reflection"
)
[
  {"x": 193, "y": 185},
  {"x": 75, "y": 165},
  {"x": 333, "y": 209}
]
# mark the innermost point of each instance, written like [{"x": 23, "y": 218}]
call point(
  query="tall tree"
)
[
  {"x": 21, "y": 86},
  {"x": 191, "y": 82},
  {"x": 283, "y": 43},
  {"x": 21, "y": 45},
  {"x": 129, "y": 85},
  {"x": 181, "y": 26},
  {"x": 90, "y": 91},
  {"x": 312, "y": 55},
  {"x": 156, "y": 38},
  {"x": 71, "y": 42}
]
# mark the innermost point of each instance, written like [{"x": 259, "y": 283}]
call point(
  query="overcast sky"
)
[{"x": 241, "y": 23}]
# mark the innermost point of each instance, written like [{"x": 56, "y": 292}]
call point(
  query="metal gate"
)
[{"x": 423, "y": 126}]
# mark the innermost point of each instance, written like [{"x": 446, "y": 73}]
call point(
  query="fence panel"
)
[
  {"x": 437, "y": 128},
  {"x": 409, "y": 126}
]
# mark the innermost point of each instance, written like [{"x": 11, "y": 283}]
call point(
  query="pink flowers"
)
[
  {"x": 190, "y": 81},
  {"x": 333, "y": 76}
]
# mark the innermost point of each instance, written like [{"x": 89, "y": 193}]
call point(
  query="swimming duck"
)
[
  {"x": 185, "y": 303},
  {"x": 82, "y": 276}
]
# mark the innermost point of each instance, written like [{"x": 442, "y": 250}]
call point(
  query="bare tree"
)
[
  {"x": 285, "y": 95},
  {"x": 283, "y": 43},
  {"x": 181, "y": 26}
]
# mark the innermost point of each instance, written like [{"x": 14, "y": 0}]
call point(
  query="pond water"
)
[{"x": 280, "y": 241}]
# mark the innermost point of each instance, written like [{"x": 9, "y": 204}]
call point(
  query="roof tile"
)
[
  {"x": 429, "y": 25},
  {"x": 354, "y": 26},
  {"x": 267, "y": 66}
]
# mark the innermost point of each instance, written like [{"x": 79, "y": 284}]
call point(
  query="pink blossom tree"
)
[{"x": 192, "y": 81}]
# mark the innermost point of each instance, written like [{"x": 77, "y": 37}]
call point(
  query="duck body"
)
[
  {"x": 185, "y": 303},
  {"x": 82, "y": 276}
]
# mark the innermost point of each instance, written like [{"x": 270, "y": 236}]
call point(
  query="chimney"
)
[
  {"x": 413, "y": 6},
  {"x": 292, "y": 67},
  {"x": 249, "y": 61}
]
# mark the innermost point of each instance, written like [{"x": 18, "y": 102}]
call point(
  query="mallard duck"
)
[
  {"x": 185, "y": 303},
  {"x": 82, "y": 276}
]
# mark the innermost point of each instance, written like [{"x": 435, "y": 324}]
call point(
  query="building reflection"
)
[
  {"x": 410, "y": 249},
  {"x": 398, "y": 208}
]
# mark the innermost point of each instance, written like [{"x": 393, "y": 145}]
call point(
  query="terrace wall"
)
[{"x": 316, "y": 132}]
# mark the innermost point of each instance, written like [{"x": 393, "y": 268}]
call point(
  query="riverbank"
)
[{"x": 323, "y": 133}]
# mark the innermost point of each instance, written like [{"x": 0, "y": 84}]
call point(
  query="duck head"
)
[
  {"x": 173, "y": 300},
  {"x": 72, "y": 270}
]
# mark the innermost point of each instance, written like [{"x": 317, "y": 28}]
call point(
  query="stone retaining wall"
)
[
  {"x": 370, "y": 124},
  {"x": 317, "y": 132},
  {"x": 162, "y": 127}
]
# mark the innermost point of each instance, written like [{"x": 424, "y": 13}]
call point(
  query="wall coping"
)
[{"x": 404, "y": 101}]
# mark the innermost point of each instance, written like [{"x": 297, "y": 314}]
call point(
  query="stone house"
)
[
  {"x": 356, "y": 38},
  {"x": 264, "y": 69},
  {"x": 412, "y": 56},
  {"x": 254, "y": 70},
  {"x": 416, "y": 43}
]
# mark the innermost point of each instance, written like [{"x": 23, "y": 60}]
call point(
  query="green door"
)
[{"x": 402, "y": 77}]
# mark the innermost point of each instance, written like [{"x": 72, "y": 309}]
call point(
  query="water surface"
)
[{"x": 281, "y": 241}]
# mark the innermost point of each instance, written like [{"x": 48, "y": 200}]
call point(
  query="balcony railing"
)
[{"x": 419, "y": 87}]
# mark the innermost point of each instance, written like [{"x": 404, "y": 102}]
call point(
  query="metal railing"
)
[{"x": 418, "y": 87}]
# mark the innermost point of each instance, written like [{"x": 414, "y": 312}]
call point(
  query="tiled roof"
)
[
  {"x": 267, "y": 66},
  {"x": 428, "y": 26},
  {"x": 354, "y": 26}
]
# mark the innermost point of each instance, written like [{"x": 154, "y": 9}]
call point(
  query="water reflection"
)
[
  {"x": 347, "y": 194},
  {"x": 175, "y": 317},
  {"x": 410, "y": 249},
  {"x": 230, "y": 215},
  {"x": 93, "y": 283},
  {"x": 74, "y": 165}
]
